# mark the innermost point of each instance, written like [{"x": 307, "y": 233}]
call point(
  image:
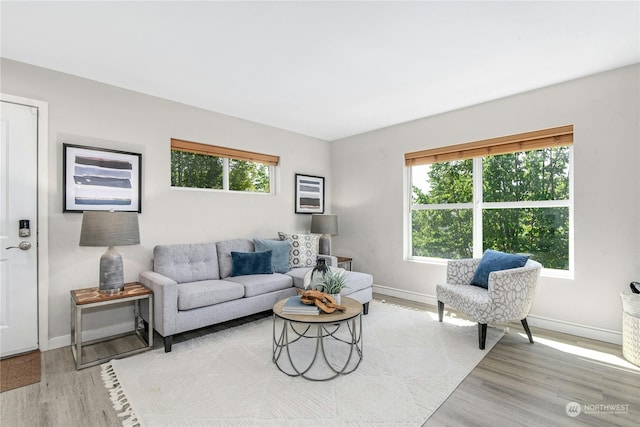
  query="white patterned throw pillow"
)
[{"x": 303, "y": 251}]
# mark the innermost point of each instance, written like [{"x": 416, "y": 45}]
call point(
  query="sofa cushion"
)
[
  {"x": 245, "y": 263},
  {"x": 297, "y": 274},
  {"x": 303, "y": 251},
  {"x": 187, "y": 263},
  {"x": 495, "y": 261},
  {"x": 258, "y": 284},
  {"x": 224, "y": 249},
  {"x": 207, "y": 292},
  {"x": 356, "y": 281},
  {"x": 279, "y": 253}
]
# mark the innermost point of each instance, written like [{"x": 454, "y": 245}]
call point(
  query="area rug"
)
[{"x": 411, "y": 364}]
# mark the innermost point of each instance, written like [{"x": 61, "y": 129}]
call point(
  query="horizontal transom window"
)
[{"x": 197, "y": 165}]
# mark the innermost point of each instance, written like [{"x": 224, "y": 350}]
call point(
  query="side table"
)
[
  {"x": 88, "y": 298},
  {"x": 344, "y": 262}
]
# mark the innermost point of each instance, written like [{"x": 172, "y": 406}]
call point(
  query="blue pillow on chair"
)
[
  {"x": 494, "y": 261},
  {"x": 243, "y": 263}
]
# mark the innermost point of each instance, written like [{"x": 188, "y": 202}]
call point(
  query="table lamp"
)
[
  {"x": 327, "y": 226},
  {"x": 109, "y": 228}
]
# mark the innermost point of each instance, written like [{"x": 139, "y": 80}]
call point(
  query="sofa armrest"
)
[
  {"x": 330, "y": 260},
  {"x": 165, "y": 301},
  {"x": 461, "y": 271}
]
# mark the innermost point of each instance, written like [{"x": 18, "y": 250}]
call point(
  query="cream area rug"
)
[{"x": 411, "y": 364}]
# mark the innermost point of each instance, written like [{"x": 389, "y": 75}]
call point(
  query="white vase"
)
[{"x": 337, "y": 298}]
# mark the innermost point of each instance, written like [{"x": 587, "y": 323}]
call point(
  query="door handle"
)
[{"x": 25, "y": 246}]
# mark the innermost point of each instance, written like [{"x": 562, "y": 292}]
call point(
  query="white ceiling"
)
[{"x": 324, "y": 69}]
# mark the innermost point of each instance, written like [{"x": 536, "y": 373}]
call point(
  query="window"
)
[
  {"x": 195, "y": 165},
  {"x": 472, "y": 197}
]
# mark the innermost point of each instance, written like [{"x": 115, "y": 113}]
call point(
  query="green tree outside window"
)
[{"x": 193, "y": 170}]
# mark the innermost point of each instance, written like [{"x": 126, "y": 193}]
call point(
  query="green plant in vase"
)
[{"x": 332, "y": 282}]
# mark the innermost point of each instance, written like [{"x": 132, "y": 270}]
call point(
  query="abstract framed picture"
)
[
  {"x": 309, "y": 194},
  {"x": 99, "y": 179}
]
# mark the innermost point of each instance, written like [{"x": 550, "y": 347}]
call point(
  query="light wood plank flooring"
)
[{"x": 516, "y": 384}]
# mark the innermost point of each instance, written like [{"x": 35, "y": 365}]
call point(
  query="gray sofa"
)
[{"x": 193, "y": 286}]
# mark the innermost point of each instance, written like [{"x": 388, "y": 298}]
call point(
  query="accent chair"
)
[{"x": 508, "y": 296}]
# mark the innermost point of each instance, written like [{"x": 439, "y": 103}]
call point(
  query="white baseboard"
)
[
  {"x": 410, "y": 296},
  {"x": 93, "y": 334},
  {"x": 586, "y": 331}
]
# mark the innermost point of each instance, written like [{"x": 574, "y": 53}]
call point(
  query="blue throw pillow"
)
[
  {"x": 494, "y": 261},
  {"x": 279, "y": 253},
  {"x": 243, "y": 263}
]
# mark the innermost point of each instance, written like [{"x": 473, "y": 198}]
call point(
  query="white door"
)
[{"x": 18, "y": 251}]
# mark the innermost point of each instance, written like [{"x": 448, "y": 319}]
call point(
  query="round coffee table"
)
[{"x": 296, "y": 328}]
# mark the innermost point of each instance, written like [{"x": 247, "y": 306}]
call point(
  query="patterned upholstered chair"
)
[{"x": 508, "y": 298}]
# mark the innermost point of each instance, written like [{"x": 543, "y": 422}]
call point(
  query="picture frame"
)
[
  {"x": 100, "y": 179},
  {"x": 309, "y": 194}
]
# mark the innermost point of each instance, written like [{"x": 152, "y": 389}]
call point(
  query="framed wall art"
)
[
  {"x": 309, "y": 194},
  {"x": 99, "y": 179}
]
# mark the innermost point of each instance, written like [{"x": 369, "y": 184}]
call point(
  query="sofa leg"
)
[
  {"x": 168, "y": 340},
  {"x": 482, "y": 335},
  {"x": 365, "y": 308},
  {"x": 527, "y": 330},
  {"x": 440, "y": 310}
]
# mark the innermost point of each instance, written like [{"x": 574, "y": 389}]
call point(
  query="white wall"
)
[
  {"x": 368, "y": 172},
  {"x": 90, "y": 113}
]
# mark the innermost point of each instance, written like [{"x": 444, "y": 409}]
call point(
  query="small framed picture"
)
[
  {"x": 99, "y": 179},
  {"x": 309, "y": 194}
]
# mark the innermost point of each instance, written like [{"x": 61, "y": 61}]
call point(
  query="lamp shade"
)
[
  {"x": 324, "y": 224},
  {"x": 106, "y": 228}
]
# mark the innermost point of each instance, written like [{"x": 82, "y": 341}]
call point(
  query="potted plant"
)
[{"x": 332, "y": 283}]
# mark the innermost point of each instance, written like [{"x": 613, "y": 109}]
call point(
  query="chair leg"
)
[
  {"x": 527, "y": 330},
  {"x": 482, "y": 335},
  {"x": 440, "y": 310}
]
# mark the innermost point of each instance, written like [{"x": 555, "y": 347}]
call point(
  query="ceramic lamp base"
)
[
  {"x": 111, "y": 272},
  {"x": 324, "y": 244}
]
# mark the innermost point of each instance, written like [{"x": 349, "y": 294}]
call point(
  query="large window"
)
[
  {"x": 517, "y": 200},
  {"x": 195, "y": 165}
]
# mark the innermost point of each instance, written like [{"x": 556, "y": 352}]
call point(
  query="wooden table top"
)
[
  {"x": 354, "y": 308},
  {"x": 92, "y": 295}
]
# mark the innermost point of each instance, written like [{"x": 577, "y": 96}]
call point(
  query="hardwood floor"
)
[
  {"x": 523, "y": 384},
  {"x": 516, "y": 384}
]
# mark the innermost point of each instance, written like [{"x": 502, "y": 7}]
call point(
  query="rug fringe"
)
[{"x": 118, "y": 398}]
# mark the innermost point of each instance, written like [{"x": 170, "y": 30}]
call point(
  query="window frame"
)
[
  {"x": 477, "y": 205},
  {"x": 226, "y": 154}
]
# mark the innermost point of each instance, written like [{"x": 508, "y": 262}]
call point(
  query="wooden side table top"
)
[
  {"x": 344, "y": 259},
  {"x": 92, "y": 295}
]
